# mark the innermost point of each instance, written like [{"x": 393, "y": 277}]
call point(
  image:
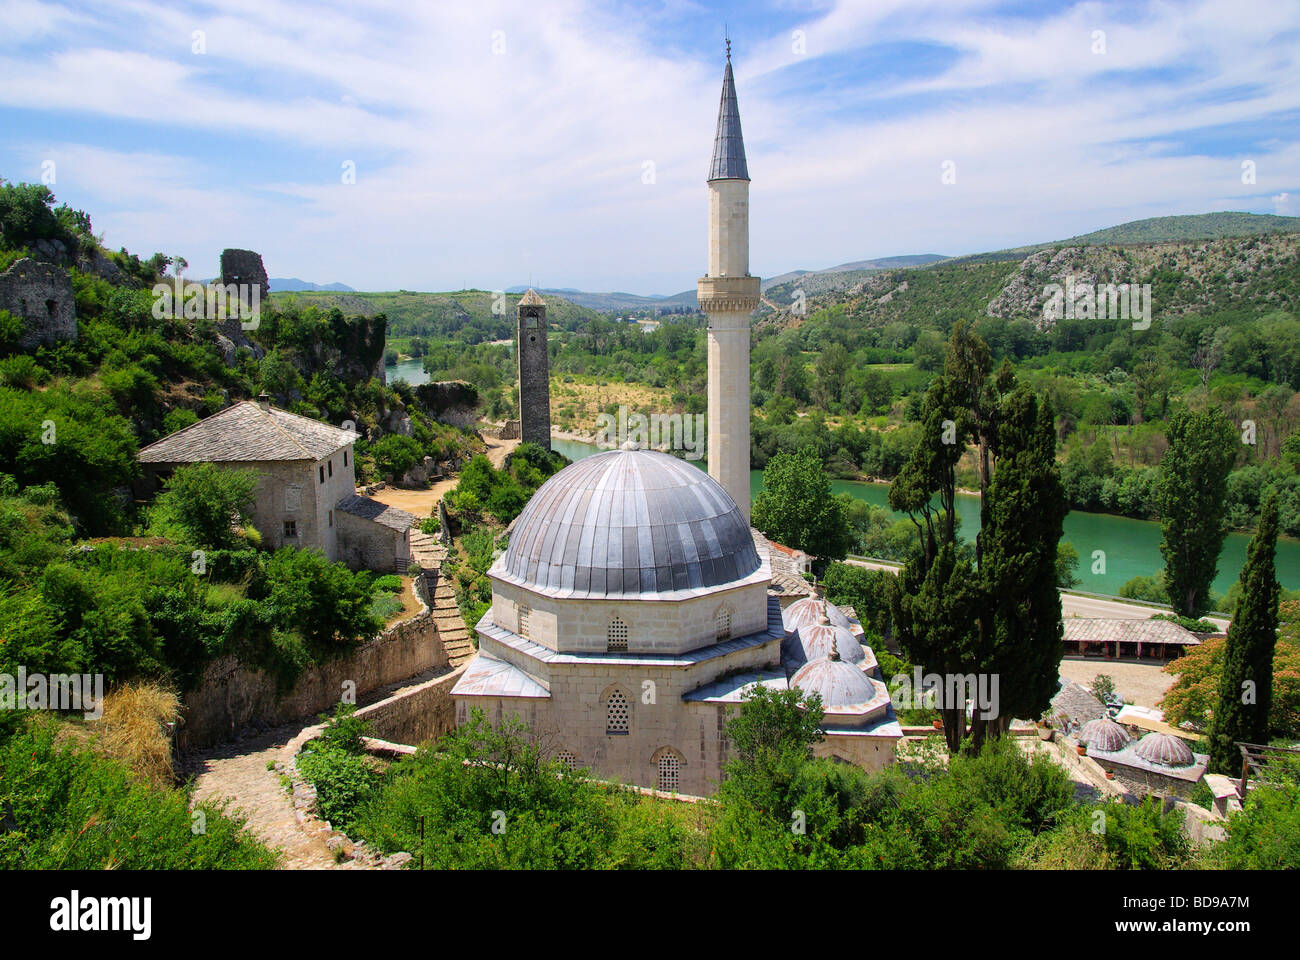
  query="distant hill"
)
[
  {"x": 615, "y": 302},
  {"x": 289, "y": 284},
  {"x": 1201, "y": 226},
  {"x": 412, "y": 313},
  {"x": 885, "y": 263}
]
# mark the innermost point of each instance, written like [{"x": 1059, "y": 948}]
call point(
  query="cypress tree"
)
[
  {"x": 1192, "y": 498},
  {"x": 1246, "y": 684},
  {"x": 1024, "y": 520}
]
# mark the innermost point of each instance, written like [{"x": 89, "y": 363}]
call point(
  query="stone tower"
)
[
  {"x": 728, "y": 295},
  {"x": 534, "y": 372}
]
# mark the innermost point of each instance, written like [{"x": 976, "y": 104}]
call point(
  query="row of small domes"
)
[{"x": 1106, "y": 735}]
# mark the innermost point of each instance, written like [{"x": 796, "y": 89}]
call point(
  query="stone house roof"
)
[
  {"x": 1108, "y": 631},
  {"x": 380, "y": 513},
  {"x": 249, "y": 432},
  {"x": 1076, "y": 703}
]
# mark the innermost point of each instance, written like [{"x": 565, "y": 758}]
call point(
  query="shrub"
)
[
  {"x": 389, "y": 582},
  {"x": 201, "y": 503},
  {"x": 70, "y": 809}
]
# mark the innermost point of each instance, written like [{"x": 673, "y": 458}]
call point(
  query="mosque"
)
[{"x": 635, "y": 605}]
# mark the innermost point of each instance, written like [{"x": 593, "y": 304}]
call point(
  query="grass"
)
[{"x": 134, "y": 729}]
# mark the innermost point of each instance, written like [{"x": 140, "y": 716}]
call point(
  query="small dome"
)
[
  {"x": 1164, "y": 749},
  {"x": 809, "y": 611},
  {"x": 815, "y": 641},
  {"x": 627, "y": 523},
  {"x": 1104, "y": 734},
  {"x": 841, "y": 685}
]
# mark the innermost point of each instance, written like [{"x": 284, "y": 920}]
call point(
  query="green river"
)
[{"x": 1131, "y": 547}]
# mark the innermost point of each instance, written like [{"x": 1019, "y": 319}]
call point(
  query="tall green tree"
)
[
  {"x": 998, "y": 614},
  {"x": 1246, "y": 684},
  {"x": 1191, "y": 496},
  {"x": 1019, "y": 541},
  {"x": 796, "y": 507}
]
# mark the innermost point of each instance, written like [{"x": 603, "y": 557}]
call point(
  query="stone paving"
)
[{"x": 238, "y": 771}]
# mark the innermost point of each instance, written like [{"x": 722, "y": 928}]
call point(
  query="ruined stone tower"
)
[
  {"x": 534, "y": 371},
  {"x": 728, "y": 295}
]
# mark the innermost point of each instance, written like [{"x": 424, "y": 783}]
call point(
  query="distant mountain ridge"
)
[
  {"x": 288, "y": 284},
  {"x": 1183, "y": 228}
]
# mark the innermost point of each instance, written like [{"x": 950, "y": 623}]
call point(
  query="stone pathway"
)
[{"x": 238, "y": 771}]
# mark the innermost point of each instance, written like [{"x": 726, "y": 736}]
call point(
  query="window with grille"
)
[
  {"x": 291, "y": 528},
  {"x": 722, "y": 624},
  {"x": 670, "y": 768},
  {"x": 567, "y": 758},
  {"x": 618, "y": 715},
  {"x": 525, "y": 614},
  {"x": 617, "y": 634}
]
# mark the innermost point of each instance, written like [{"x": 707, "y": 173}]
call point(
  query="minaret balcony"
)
[{"x": 728, "y": 294}]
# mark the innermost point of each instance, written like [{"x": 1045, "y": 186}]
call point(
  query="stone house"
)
[{"x": 306, "y": 482}]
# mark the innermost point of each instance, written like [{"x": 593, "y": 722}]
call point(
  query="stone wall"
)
[
  {"x": 413, "y": 715},
  {"x": 232, "y": 697},
  {"x": 41, "y": 294},
  {"x": 367, "y": 545}
]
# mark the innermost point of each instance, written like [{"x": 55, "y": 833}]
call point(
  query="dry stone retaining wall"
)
[{"x": 232, "y": 697}]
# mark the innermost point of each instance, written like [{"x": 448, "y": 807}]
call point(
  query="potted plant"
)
[
  {"x": 1082, "y": 749},
  {"x": 1045, "y": 729}
]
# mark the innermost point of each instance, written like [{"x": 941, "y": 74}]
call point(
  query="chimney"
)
[{"x": 264, "y": 401}]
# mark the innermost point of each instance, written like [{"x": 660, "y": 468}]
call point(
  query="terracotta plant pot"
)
[
  {"x": 1083, "y": 751},
  {"x": 1110, "y": 774},
  {"x": 1045, "y": 734},
  {"x": 938, "y": 724}
]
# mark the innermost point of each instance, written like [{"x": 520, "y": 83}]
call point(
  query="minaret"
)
[
  {"x": 534, "y": 372},
  {"x": 727, "y": 296}
]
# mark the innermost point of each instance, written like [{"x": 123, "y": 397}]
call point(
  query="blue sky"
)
[{"x": 568, "y": 141}]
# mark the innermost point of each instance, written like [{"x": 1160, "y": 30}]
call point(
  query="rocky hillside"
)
[{"x": 1257, "y": 273}]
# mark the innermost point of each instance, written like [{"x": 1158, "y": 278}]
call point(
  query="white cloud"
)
[{"x": 476, "y": 168}]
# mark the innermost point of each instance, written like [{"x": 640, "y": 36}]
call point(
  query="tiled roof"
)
[
  {"x": 381, "y": 513},
  {"x": 531, "y": 299},
  {"x": 787, "y": 581},
  {"x": 246, "y": 432},
  {"x": 1076, "y": 703},
  {"x": 1090, "y": 630}
]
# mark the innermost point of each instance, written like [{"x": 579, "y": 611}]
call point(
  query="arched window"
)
[
  {"x": 617, "y": 635},
  {"x": 670, "y": 769},
  {"x": 618, "y": 714},
  {"x": 567, "y": 758},
  {"x": 722, "y": 624},
  {"x": 525, "y": 614}
]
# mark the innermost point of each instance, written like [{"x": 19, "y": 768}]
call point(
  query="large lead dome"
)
[{"x": 629, "y": 523}]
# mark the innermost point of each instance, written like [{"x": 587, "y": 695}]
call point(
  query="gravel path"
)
[
  {"x": 1140, "y": 683},
  {"x": 238, "y": 771}
]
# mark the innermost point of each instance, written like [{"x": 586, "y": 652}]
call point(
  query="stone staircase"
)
[{"x": 430, "y": 554}]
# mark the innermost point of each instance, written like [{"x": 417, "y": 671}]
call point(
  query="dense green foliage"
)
[
  {"x": 202, "y": 501},
  {"x": 67, "y": 808},
  {"x": 491, "y": 798},
  {"x": 796, "y": 508},
  {"x": 1246, "y": 684},
  {"x": 1191, "y": 497},
  {"x": 996, "y": 612}
]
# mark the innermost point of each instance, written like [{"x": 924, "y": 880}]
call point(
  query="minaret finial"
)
[{"x": 728, "y": 45}]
